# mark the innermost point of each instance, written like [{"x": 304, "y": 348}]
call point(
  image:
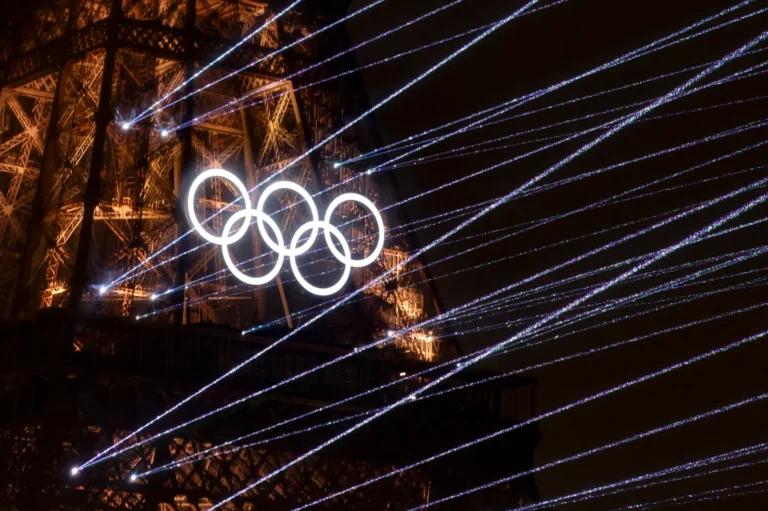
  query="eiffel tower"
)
[{"x": 83, "y": 201}]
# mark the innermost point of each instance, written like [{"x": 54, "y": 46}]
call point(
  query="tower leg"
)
[
  {"x": 186, "y": 160},
  {"x": 44, "y": 186}
]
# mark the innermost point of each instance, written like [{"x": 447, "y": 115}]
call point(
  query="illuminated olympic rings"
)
[{"x": 270, "y": 232}]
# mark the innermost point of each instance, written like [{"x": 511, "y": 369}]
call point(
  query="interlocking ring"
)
[{"x": 278, "y": 243}]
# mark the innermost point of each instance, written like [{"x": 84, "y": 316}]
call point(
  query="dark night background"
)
[{"x": 539, "y": 50}]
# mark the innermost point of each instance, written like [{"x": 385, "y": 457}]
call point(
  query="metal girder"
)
[
  {"x": 147, "y": 37},
  {"x": 132, "y": 181}
]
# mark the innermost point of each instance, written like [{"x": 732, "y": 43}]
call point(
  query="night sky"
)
[{"x": 540, "y": 50}]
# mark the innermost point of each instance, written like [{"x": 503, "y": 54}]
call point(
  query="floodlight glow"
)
[
  {"x": 277, "y": 243},
  {"x": 164, "y": 133},
  {"x": 126, "y": 126},
  {"x": 103, "y": 290},
  {"x": 74, "y": 471},
  {"x": 133, "y": 478}
]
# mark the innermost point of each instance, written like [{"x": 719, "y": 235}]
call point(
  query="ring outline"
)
[
  {"x": 320, "y": 291},
  {"x": 355, "y": 197},
  {"x": 207, "y": 236},
  {"x": 287, "y": 185},
  {"x": 255, "y": 281},
  {"x": 278, "y": 246}
]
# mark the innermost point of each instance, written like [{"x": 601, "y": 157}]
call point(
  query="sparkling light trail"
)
[
  {"x": 152, "y": 110},
  {"x": 515, "y": 298},
  {"x": 231, "y": 106},
  {"x": 421, "y": 373},
  {"x": 588, "y": 235},
  {"x": 614, "y": 199},
  {"x": 372, "y": 109},
  {"x": 637, "y": 301},
  {"x": 607, "y": 347},
  {"x": 390, "y": 164},
  {"x": 215, "y": 61},
  {"x": 690, "y": 239},
  {"x": 467, "y": 177},
  {"x": 661, "y": 101},
  {"x": 301, "y": 313},
  {"x": 749, "y": 72},
  {"x": 377, "y": 152},
  {"x": 709, "y": 138},
  {"x": 678, "y": 284},
  {"x": 648, "y": 46},
  {"x": 601, "y": 308},
  {"x": 539, "y": 418},
  {"x": 680, "y": 32},
  {"x": 681, "y": 478},
  {"x": 596, "y": 450},
  {"x": 701, "y": 497},
  {"x": 217, "y": 451},
  {"x": 758, "y": 282},
  {"x": 610, "y": 305},
  {"x": 382, "y": 61},
  {"x": 487, "y": 118},
  {"x": 690, "y": 210},
  {"x": 463, "y": 151},
  {"x": 596, "y": 492}
]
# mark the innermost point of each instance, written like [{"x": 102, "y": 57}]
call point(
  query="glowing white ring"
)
[
  {"x": 278, "y": 247},
  {"x": 254, "y": 281},
  {"x": 355, "y": 197},
  {"x": 321, "y": 291},
  {"x": 223, "y": 239},
  {"x": 278, "y": 244}
]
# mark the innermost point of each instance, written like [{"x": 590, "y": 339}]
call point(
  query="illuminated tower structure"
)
[{"x": 84, "y": 200}]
